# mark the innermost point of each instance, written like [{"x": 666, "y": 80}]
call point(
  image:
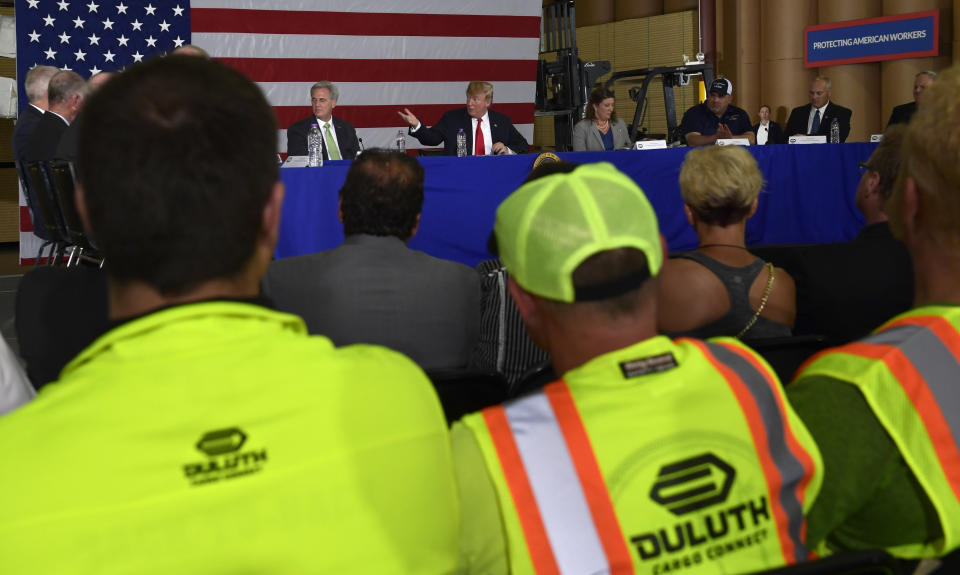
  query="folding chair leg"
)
[{"x": 36, "y": 261}]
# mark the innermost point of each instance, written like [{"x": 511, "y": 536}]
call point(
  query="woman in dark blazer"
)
[
  {"x": 601, "y": 129},
  {"x": 772, "y": 134}
]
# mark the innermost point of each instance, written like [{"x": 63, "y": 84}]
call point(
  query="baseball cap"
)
[
  {"x": 721, "y": 86},
  {"x": 549, "y": 226}
]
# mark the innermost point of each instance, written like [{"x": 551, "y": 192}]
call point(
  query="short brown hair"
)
[{"x": 885, "y": 160}]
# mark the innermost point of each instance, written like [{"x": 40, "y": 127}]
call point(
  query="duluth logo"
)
[
  {"x": 224, "y": 458},
  {"x": 700, "y": 483}
]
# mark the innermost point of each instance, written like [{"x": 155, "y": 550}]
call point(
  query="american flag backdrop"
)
[{"x": 382, "y": 54}]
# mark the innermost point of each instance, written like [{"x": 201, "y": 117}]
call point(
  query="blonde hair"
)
[
  {"x": 485, "y": 88},
  {"x": 720, "y": 183},
  {"x": 930, "y": 154}
]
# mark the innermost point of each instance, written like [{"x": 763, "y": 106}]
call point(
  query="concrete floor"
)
[{"x": 10, "y": 274}]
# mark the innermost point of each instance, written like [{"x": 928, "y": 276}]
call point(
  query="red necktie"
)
[{"x": 478, "y": 145}]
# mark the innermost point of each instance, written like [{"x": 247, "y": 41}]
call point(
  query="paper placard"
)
[
  {"x": 733, "y": 142},
  {"x": 876, "y": 137},
  {"x": 296, "y": 162},
  {"x": 807, "y": 140},
  {"x": 650, "y": 145}
]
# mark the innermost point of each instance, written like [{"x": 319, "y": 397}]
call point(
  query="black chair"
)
[
  {"x": 462, "y": 392},
  {"x": 62, "y": 178},
  {"x": 46, "y": 211},
  {"x": 874, "y": 562},
  {"x": 786, "y": 354}
]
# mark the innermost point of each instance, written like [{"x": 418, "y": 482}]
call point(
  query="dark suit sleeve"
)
[
  {"x": 297, "y": 139},
  {"x": 797, "y": 124},
  {"x": 844, "y": 115},
  {"x": 514, "y": 139},
  {"x": 776, "y": 134},
  {"x": 346, "y": 139},
  {"x": 433, "y": 135}
]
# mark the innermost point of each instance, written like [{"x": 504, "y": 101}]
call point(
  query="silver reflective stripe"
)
[
  {"x": 936, "y": 365},
  {"x": 790, "y": 468},
  {"x": 556, "y": 486}
]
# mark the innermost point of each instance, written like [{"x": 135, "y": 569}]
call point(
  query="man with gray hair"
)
[
  {"x": 816, "y": 118},
  {"x": 339, "y": 141},
  {"x": 901, "y": 114},
  {"x": 65, "y": 96},
  {"x": 35, "y": 85}
]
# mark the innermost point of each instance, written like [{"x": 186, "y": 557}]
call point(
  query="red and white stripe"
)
[{"x": 384, "y": 55}]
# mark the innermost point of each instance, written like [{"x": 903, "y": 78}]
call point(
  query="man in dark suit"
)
[
  {"x": 338, "y": 143},
  {"x": 487, "y": 132},
  {"x": 901, "y": 114},
  {"x": 65, "y": 97},
  {"x": 767, "y": 131},
  {"x": 815, "y": 118},
  {"x": 373, "y": 288},
  {"x": 847, "y": 289},
  {"x": 67, "y": 149},
  {"x": 38, "y": 78}
]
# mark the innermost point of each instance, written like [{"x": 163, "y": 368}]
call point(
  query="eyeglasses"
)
[{"x": 865, "y": 167}]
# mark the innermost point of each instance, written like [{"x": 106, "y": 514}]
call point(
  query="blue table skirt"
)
[{"x": 808, "y": 198}]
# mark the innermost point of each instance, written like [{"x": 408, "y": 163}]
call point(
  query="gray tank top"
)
[{"x": 738, "y": 282}]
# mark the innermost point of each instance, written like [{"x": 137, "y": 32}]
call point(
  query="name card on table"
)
[
  {"x": 733, "y": 142},
  {"x": 876, "y": 137},
  {"x": 807, "y": 140},
  {"x": 296, "y": 162},
  {"x": 650, "y": 145}
]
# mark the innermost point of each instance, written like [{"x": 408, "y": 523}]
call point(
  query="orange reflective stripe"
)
[
  {"x": 592, "y": 483},
  {"x": 541, "y": 555},
  {"x": 939, "y": 326},
  {"x": 792, "y": 442},
  {"x": 758, "y": 432},
  {"x": 916, "y": 389}
]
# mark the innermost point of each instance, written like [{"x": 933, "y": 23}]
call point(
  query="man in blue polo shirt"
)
[{"x": 705, "y": 123}]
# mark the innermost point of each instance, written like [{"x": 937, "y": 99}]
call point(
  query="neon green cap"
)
[{"x": 549, "y": 226}]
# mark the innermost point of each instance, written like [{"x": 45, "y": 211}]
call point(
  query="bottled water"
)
[
  {"x": 461, "y": 144},
  {"x": 401, "y": 142},
  {"x": 315, "y": 157},
  {"x": 359, "y": 146},
  {"x": 835, "y": 131}
]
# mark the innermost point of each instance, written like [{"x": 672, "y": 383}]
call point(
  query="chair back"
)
[
  {"x": 61, "y": 177},
  {"x": 462, "y": 392},
  {"x": 45, "y": 208},
  {"x": 786, "y": 354}
]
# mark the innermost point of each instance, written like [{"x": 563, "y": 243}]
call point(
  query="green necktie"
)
[{"x": 332, "y": 150}]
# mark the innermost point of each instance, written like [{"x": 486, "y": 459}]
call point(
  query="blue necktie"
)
[{"x": 815, "y": 127}]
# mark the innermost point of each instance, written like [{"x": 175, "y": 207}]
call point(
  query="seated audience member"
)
[
  {"x": 766, "y": 130},
  {"x": 15, "y": 388},
  {"x": 704, "y": 124},
  {"x": 505, "y": 346},
  {"x": 582, "y": 476},
  {"x": 721, "y": 288},
  {"x": 35, "y": 86},
  {"x": 487, "y": 131},
  {"x": 373, "y": 288},
  {"x": 901, "y": 114},
  {"x": 884, "y": 410},
  {"x": 66, "y": 92},
  {"x": 339, "y": 142},
  {"x": 205, "y": 432},
  {"x": 816, "y": 118},
  {"x": 601, "y": 129},
  {"x": 59, "y": 312},
  {"x": 67, "y": 148},
  {"x": 847, "y": 289}
]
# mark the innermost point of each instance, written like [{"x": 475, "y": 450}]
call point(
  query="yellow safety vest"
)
[
  {"x": 658, "y": 458},
  {"x": 219, "y": 437},
  {"x": 909, "y": 373}
]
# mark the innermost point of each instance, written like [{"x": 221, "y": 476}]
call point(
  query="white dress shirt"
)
[{"x": 763, "y": 133}]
